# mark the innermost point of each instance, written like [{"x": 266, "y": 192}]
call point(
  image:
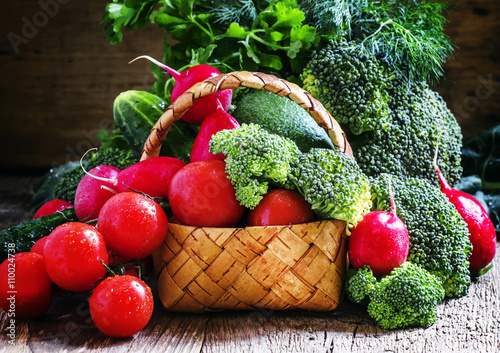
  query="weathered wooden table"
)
[{"x": 468, "y": 324}]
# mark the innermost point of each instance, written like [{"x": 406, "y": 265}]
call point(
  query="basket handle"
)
[{"x": 234, "y": 80}]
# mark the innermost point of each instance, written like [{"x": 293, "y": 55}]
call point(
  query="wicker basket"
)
[{"x": 299, "y": 266}]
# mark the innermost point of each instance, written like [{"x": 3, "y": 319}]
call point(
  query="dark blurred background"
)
[{"x": 59, "y": 76}]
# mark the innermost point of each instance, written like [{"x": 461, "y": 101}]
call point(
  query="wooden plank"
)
[
  {"x": 58, "y": 85},
  {"x": 467, "y": 324}
]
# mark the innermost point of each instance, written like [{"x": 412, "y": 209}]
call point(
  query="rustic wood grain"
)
[
  {"x": 472, "y": 84},
  {"x": 468, "y": 324},
  {"x": 57, "y": 90}
]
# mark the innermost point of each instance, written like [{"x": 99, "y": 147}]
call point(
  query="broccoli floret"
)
[
  {"x": 351, "y": 85},
  {"x": 120, "y": 158},
  {"x": 408, "y": 296},
  {"x": 255, "y": 158},
  {"x": 328, "y": 179},
  {"x": 359, "y": 284},
  {"x": 333, "y": 184},
  {"x": 439, "y": 237},
  {"x": 419, "y": 118}
]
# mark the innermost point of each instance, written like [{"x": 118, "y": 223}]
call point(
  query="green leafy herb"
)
[
  {"x": 408, "y": 35},
  {"x": 130, "y": 14},
  {"x": 279, "y": 36},
  {"x": 269, "y": 36}
]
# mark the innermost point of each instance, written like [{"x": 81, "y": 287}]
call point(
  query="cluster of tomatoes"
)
[
  {"x": 78, "y": 257},
  {"x": 121, "y": 218}
]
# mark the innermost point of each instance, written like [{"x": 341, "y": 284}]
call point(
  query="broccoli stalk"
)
[
  {"x": 328, "y": 179},
  {"x": 408, "y": 296}
]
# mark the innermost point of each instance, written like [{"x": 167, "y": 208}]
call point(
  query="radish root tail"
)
[
  {"x": 113, "y": 182},
  {"x": 391, "y": 195}
]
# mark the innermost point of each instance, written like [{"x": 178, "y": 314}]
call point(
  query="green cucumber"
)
[
  {"x": 281, "y": 116},
  {"x": 21, "y": 238},
  {"x": 136, "y": 112}
]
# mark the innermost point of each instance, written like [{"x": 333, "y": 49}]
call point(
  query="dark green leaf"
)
[
  {"x": 186, "y": 7},
  {"x": 202, "y": 55}
]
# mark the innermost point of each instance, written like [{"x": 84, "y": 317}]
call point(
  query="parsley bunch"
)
[{"x": 279, "y": 37}]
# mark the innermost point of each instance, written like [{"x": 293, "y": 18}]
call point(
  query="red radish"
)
[
  {"x": 151, "y": 176},
  {"x": 95, "y": 188},
  {"x": 52, "y": 206},
  {"x": 380, "y": 240},
  {"x": 201, "y": 194},
  {"x": 188, "y": 78},
  {"x": 215, "y": 122},
  {"x": 281, "y": 207},
  {"x": 482, "y": 233}
]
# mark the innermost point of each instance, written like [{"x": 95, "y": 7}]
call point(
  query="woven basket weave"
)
[{"x": 299, "y": 266}]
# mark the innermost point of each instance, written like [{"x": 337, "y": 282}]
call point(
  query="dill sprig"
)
[
  {"x": 408, "y": 35},
  {"x": 243, "y": 12}
]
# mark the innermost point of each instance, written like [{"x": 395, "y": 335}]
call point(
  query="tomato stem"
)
[{"x": 108, "y": 268}]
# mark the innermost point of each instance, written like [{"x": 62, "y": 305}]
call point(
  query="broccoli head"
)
[
  {"x": 254, "y": 159},
  {"x": 333, "y": 184},
  {"x": 408, "y": 296},
  {"x": 328, "y": 179},
  {"x": 439, "y": 237},
  {"x": 351, "y": 85},
  {"x": 393, "y": 124},
  {"x": 419, "y": 118},
  {"x": 120, "y": 158}
]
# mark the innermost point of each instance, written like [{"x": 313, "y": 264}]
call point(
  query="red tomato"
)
[
  {"x": 73, "y": 254},
  {"x": 200, "y": 194},
  {"x": 281, "y": 207},
  {"x": 25, "y": 288},
  {"x": 132, "y": 224},
  {"x": 51, "y": 207},
  {"x": 121, "y": 306},
  {"x": 39, "y": 245}
]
